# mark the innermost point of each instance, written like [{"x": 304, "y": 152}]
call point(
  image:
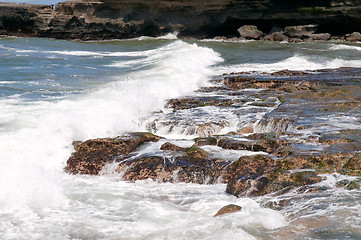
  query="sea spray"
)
[{"x": 35, "y": 151}]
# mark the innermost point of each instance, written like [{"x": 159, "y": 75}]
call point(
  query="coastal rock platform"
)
[{"x": 309, "y": 126}]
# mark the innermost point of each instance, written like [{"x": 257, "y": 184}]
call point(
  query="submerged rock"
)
[{"x": 231, "y": 208}]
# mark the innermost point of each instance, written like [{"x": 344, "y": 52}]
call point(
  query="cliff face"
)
[
  {"x": 104, "y": 19},
  {"x": 223, "y": 17}
]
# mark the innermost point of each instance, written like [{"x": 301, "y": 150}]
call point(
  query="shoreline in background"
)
[{"x": 106, "y": 19}]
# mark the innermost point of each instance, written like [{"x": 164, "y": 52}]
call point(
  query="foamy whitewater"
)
[{"x": 55, "y": 92}]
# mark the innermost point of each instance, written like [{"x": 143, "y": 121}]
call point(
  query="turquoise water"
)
[{"x": 55, "y": 92}]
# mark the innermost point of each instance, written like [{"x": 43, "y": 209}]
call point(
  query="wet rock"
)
[
  {"x": 353, "y": 165},
  {"x": 171, "y": 147},
  {"x": 246, "y": 169},
  {"x": 191, "y": 167},
  {"x": 260, "y": 175},
  {"x": 273, "y": 124},
  {"x": 250, "y": 31},
  {"x": 262, "y": 142},
  {"x": 353, "y": 37},
  {"x": 349, "y": 184},
  {"x": 295, "y": 40},
  {"x": 276, "y": 36},
  {"x": 231, "y": 208},
  {"x": 300, "y": 30},
  {"x": 92, "y": 155},
  {"x": 278, "y": 205},
  {"x": 239, "y": 82},
  {"x": 187, "y": 103},
  {"x": 320, "y": 36},
  {"x": 287, "y": 72},
  {"x": 205, "y": 141},
  {"x": 196, "y": 153}
]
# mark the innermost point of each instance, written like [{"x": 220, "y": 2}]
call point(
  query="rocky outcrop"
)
[
  {"x": 276, "y": 36},
  {"x": 353, "y": 37},
  {"x": 299, "y": 31},
  {"x": 110, "y": 19},
  {"x": 92, "y": 155},
  {"x": 286, "y": 156}
]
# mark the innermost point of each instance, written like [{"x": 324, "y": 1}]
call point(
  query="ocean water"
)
[{"x": 55, "y": 92}]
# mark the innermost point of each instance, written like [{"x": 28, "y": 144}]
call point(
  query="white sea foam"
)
[
  {"x": 231, "y": 155},
  {"x": 35, "y": 150},
  {"x": 297, "y": 63},
  {"x": 101, "y": 207},
  {"x": 345, "y": 47},
  {"x": 170, "y": 36}
]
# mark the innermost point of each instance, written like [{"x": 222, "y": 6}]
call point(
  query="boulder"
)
[
  {"x": 250, "y": 31},
  {"x": 300, "y": 30},
  {"x": 276, "y": 36},
  {"x": 231, "y": 208},
  {"x": 353, "y": 37}
]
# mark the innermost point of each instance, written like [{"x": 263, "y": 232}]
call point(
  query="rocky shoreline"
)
[
  {"x": 289, "y": 148},
  {"x": 221, "y": 20}
]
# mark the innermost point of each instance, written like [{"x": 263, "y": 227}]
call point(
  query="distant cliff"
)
[{"x": 109, "y": 19}]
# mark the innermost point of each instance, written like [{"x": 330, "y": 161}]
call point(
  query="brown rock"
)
[
  {"x": 320, "y": 36},
  {"x": 244, "y": 170},
  {"x": 196, "y": 153},
  {"x": 171, "y": 147},
  {"x": 276, "y": 36},
  {"x": 353, "y": 37},
  {"x": 265, "y": 144},
  {"x": 205, "y": 141},
  {"x": 353, "y": 165},
  {"x": 231, "y": 208},
  {"x": 92, "y": 155},
  {"x": 250, "y": 31},
  {"x": 300, "y": 30}
]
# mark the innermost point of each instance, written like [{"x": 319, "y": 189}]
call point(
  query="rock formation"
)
[
  {"x": 112, "y": 19},
  {"x": 284, "y": 157}
]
